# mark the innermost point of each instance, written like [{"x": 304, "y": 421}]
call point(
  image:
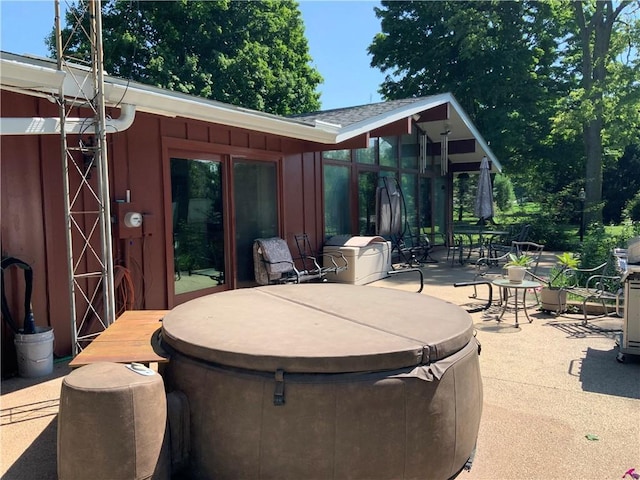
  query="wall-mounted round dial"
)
[{"x": 133, "y": 219}]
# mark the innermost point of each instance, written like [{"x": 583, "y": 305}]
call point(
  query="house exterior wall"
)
[
  {"x": 33, "y": 220},
  {"x": 33, "y": 224}
]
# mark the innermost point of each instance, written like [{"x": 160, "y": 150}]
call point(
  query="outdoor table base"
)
[
  {"x": 506, "y": 285},
  {"x": 484, "y": 237}
]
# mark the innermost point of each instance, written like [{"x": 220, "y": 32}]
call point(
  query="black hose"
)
[{"x": 28, "y": 278}]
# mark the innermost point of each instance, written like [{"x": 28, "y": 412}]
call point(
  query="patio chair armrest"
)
[
  {"x": 332, "y": 257},
  {"x": 483, "y": 264},
  {"x": 574, "y": 275},
  {"x": 599, "y": 281},
  {"x": 485, "y": 306},
  {"x": 409, "y": 270},
  {"x": 315, "y": 262}
]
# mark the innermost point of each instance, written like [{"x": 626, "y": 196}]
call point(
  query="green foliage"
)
[
  {"x": 523, "y": 260},
  {"x": 497, "y": 58},
  {"x": 632, "y": 208},
  {"x": 552, "y": 234},
  {"x": 528, "y": 78},
  {"x": 551, "y": 224},
  {"x": 605, "y": 95},
  {"x": 620, "y": 182},
  {"x": 599, "y": 243},
  {"x": 503, "y": 192},
  {"x": 567, "y": 260},
  {"x": 250, "y": 54},
  {"x": 557, "y": 276}
]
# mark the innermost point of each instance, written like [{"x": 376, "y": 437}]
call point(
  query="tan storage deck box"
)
[{"x": 369, "y": 260}]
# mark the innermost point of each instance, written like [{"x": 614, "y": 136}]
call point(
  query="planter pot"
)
[
  {"x": 516, "y": 274},
  {"x": 553, "y": 300}
]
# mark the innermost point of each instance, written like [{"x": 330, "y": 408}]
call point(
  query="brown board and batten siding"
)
[{"x": 33, "y": 222}]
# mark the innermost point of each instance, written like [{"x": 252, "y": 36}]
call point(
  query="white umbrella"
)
[{"x": 484, "y": 195}]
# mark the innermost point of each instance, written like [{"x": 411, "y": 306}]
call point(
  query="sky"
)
[{"x": 338, "y": 33}]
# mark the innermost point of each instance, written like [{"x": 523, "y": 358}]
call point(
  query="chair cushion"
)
[{"x": 276, "y": 253}]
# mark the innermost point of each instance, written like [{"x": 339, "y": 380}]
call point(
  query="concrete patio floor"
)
[{"x": 557, "y": 404}]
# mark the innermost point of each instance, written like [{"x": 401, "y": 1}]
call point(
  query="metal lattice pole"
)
[{"x": 87, "y": 204}]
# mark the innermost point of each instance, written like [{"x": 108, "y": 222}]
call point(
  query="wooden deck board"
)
[{"x": 128, "y": 339}]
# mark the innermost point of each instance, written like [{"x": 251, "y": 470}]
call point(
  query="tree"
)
[
  {"x": 517, "y": 68},
  {"x": 504, "y": 195},
  {"x": 598, "y": 36},
  {"x": 497, "y": 58},
  {"x": 250, "y": 54},
  {"x": 620, "y": 183}
]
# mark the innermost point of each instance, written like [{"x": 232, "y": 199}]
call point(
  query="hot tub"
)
[{"x": 325, "y": 381}]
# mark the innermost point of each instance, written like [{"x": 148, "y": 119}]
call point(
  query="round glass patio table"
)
[{"x": 505, "y": 284}]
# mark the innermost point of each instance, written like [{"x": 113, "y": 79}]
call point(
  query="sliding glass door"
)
[
  {"x": 198, "y": 224},
  {"x": 256, "y": 210}
]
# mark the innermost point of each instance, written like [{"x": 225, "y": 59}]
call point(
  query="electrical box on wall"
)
[{"x": 128, "y": 220}]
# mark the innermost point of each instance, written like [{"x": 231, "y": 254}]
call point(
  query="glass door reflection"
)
[{"x": 198, "y": 224}]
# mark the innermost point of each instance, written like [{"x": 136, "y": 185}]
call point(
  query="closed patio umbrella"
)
[{"x": 484, "y": 196}]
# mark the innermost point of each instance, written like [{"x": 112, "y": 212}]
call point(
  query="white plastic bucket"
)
[{"x": 35, "y": 352}]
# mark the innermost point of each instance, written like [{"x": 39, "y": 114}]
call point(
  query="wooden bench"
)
[{"x": 128, "y": 339}]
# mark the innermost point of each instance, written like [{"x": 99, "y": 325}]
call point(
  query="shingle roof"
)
[
  {"x": 331, "y": 127},
  {"x": 350, "y": 115}
]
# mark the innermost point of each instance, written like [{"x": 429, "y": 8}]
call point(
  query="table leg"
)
[
  {"x": 524, "y": 305},
  {"x": 504, "y": 303}
]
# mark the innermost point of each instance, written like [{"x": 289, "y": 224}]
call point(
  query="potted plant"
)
[
  {"x": 552, "y": 297},
  {"x": 517, "y": 267}
]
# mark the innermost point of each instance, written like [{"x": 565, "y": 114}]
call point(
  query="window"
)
[
  {"x": 409, "y": 185},
  {"x": 394, "y": 156},
  {"x": 337, "y": 207},
  {"x": 256, "y": 210},
  {"x": 439, "y": 202},
  {"x": 409, "y": 151},
  {"x": 367, "y": 155},
  {"x": 344, "y": 155},
  {"x": 198, "y": 226},
  {"x": 367, "y": 182},
  {"x": 389, "y": 152}
]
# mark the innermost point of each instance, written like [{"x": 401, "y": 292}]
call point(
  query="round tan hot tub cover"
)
[{"x": 318, "y": 328}]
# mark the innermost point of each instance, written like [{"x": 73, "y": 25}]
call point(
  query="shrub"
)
[
  {"x": 632, "y": 209},
  {"x": 503, "y": 192},
  {"x": 598, "y": 244},
  {"x": 548, "y": 231}
]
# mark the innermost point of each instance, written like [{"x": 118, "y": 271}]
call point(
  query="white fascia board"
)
[
  {"x": 23, "y": 75},
  {"x": 174, "y": 104},
  {"x": 42, "y": 75},
  {"x": 370, "y": 124}
]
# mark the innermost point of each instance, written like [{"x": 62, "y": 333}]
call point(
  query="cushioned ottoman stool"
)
[{"x": 111, "y": 424}]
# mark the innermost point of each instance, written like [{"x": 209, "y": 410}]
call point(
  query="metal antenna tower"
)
[{"x": 86, "y": 175}]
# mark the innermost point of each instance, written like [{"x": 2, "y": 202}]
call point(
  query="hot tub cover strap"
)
[{"x": 278, "y": 394}]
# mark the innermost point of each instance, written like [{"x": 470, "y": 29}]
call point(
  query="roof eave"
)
[
  {"x": 370, "y": 124},
  {"x": 38, "y": 77},
  {"x": 474, "y": 131}
]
